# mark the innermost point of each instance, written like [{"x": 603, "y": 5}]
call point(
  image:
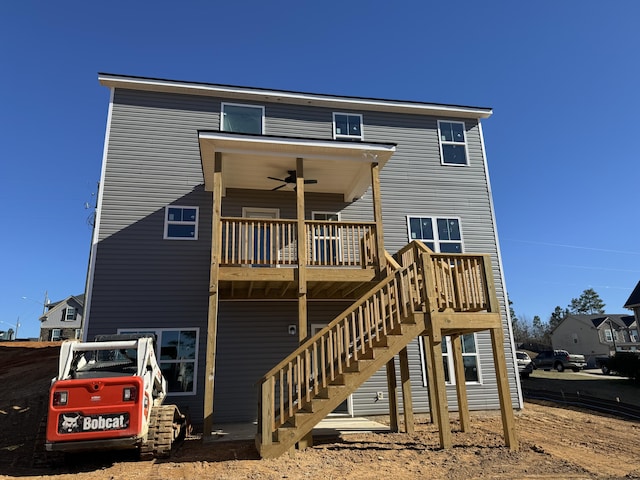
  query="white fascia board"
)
[{"x": 279, "y": 96}]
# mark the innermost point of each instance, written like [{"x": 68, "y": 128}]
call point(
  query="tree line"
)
[{"x": 538, "y": 332}]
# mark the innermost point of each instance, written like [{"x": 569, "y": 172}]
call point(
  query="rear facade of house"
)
[{"x": 376, "y": 175}]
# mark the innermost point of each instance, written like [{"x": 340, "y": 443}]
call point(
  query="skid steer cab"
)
[{"x": 109, "y": 395}]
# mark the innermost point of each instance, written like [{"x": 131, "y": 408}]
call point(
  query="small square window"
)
[
  {"x": 70, "y": 314},
  {"x": 242, "y": 118},
  {"x": 453, "y": 144},
  {"x": 181, "y": 223},
  {"x": 347, "y": 125}
]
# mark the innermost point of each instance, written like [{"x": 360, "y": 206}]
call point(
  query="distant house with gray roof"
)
[
  {"x": 63, "y": 319},
  {"x": 596, "y": 335}
]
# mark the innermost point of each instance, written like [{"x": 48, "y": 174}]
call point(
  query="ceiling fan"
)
[{"x": 290, "y": 179}]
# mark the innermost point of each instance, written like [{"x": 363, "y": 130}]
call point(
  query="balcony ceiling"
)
[{"x": 248, "y": 160}]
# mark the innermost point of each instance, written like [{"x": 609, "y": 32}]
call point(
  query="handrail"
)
[
  {"x": 271, "y": 242},
  {"x": 322, "y": 358},
  {"x": 442, "y": 281}
]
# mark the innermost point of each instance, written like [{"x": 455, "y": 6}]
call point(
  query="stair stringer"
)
[{"x": 352, "y": 378}]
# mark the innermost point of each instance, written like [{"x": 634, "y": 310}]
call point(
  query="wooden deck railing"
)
[
  {"x": 270, "y": 242},
  {"x": 459, "y": 279},
  {"x": 292, "y": 383}
]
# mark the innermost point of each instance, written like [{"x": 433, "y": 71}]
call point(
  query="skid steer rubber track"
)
[{"x": 166, "y": 426}]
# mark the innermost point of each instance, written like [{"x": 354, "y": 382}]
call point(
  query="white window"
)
[
  {"x": 78, "y": 333},
  {"x": 608, "y": 336},
  {"x": 70, "y": 314},
  {"x": 56, "y": 334},
  {"x": 347, "y": 125},
  {"x": 440, "y": 234},
  {"x": 453, "y": 144},
  {"x": 242, "y": 118},
  {"x": 326, "y": 239},
  {"x": 177, "y": 355},
  {"x": 470, "y": 359},
  {"x": 634, "y": 335},
  {"x": 181, "y": 223}
]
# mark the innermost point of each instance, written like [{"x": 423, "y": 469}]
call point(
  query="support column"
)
[
  {"x": 461, "y": 387},
  {"x": 433, "y": 400},
  {"x": 302, "y": 253},
  {"x": 377, "y": 216},
  {"x": 407, "y": 400},
  {"x": 506, "y": 409},
  {"x": 212, "y": 321},
  {"x": 303, "y": 326},
  {"x": 439, "y": 384},
  {"x": 392, "y": 390}
]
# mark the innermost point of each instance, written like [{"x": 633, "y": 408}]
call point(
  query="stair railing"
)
[{"x": 319, "y": 361}]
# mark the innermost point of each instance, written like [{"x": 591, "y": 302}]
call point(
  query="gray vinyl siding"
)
[{"x": 141, "y": 280}]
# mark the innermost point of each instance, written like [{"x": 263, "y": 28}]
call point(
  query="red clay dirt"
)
[{"x": 555, "y": 443}]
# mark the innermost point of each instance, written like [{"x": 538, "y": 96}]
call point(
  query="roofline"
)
[{"x": 287, "y": 96}]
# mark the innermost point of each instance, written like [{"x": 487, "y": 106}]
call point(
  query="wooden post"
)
[
  {"x": 461, "y": 387},
  {"x": 377, "y": 216},
  {"x": 407, "y": 400},
  {"x": 439, "y": 384},
  {"x": 212, "y": 321},
  {"x": 506, "y": 409},
  {"x": 433, "y": 400},
  {"x": 392, "y": 388},
  {"x": 266, "y": 411},
  {"x": 303, "y": 326},
  {"x": 302, "y": 253}
]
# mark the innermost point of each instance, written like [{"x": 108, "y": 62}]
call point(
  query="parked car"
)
[
  {"x": 525, "y": 365},
  {"x": 559, "y": 360}
]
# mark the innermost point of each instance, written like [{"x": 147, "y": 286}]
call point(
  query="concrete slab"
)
[{"x": 330, "y": 426}]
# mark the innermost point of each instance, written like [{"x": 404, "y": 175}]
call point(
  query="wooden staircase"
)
[{"x": 311, "y": 382}]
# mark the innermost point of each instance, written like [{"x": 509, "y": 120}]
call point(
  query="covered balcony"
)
[{"x": 293, "y": 258}]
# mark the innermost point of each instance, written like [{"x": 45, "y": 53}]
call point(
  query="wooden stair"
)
[
  {"x": 336, "y": 392},
  {"x": 424, "y": 296}
]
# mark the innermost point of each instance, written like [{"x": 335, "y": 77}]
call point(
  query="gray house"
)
[
  {"x": 596, "y": 335},
  {"x": 273, "y": 240},
  {"x": 63, "y": 319}
]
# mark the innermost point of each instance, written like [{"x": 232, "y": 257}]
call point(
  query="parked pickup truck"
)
[{"x": 559, "y": 360}]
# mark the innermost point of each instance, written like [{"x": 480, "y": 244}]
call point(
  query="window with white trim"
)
[
  {"x": 78, "y": 333},
  {"x": 240, "y": 118},
  {"x": 181, "y": 223},
  {"x": 470, "y": 359},
  {"x": 56, "y": 334},
  {"x": 453, "y": 144},
  {"x": 608, "y": 337},
  {"x": 440, "y": 234},
  {"x": 70, "y": 314},
  {"x": 177, "y": 355},
  {"x": 347, "y": 125}
]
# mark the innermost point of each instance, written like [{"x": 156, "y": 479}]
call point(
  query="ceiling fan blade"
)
[
  {"x": 278, "y": 188},
  {"x": 307, "y": 182},
  {"x": 277, "y": 179}
]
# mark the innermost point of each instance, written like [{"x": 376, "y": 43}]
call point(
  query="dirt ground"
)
[{"x": 555, "y": 443}]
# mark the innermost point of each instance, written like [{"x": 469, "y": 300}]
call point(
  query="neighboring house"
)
[
  {"x": 63, "y": 319},
  {"x": 596, "y": 335},
  {"x": 236, "y": 222},
  {"x": 633, "y": 303}
]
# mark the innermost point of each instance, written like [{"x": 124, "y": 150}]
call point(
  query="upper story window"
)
[
  {"x": 453, "y": 144},
  {"x": 181, "y": 223},
  {"x": 438, "y": 233},
  {"x": 70, "y": 314},
  {"x": 347, "y": 125},
  {"x": 242, "y": 118}
]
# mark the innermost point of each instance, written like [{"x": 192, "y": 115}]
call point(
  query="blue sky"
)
[{"x": 562, "y": 78}]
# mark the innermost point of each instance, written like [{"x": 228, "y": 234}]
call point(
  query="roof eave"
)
[{"x": 282, "y": 96}]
